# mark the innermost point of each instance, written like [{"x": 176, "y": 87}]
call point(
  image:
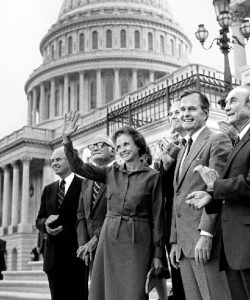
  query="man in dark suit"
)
[
  {"x": 57, "y": 217},
  {"x": 93, "y": 202},
  {"x": 194, "y": 233},
  {"x": 230, "y": 194}
]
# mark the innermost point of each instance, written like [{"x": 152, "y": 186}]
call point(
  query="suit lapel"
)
[
  {"x": 88, "y": 195},
  {"x": 235, "y": 150},
  {"x": 98, "y": 197},
  {"x": 53, "y": 196},
  {"x": 194, "y": 151},
  {"x": 177, "y": 168}
]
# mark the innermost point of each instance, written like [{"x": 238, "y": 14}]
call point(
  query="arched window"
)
[
  {"x": 70, "y": 45},
  {"x": 52, "y": 52},
  {"x": 109, "y": 39},
  {"x": 123, "y": 38},
  {"x": 92, "y": 95},
  {"x": 172, "y": 47},
  {"x": 180, "y": 50},
  {"x": 81, "y": 42},
  {"x": 60, "y": 49},
  {"x": 14, "y": 260},
  {"x": 109, "y": 89},
  {"x": 150, "y": 41},
  {"x": 137, "y": 40},
  {"x": 94, "y": 40},
  {"x": 162, "y": 44},
  {"x": 57, "y": 103}
]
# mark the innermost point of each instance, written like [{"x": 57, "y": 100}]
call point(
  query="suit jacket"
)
[
  {"x": 90, "y": 219},
  {"x": 210, "y": 149},
  {"x": 60, "y": 250},
  {"x": 234, "y": 188}
]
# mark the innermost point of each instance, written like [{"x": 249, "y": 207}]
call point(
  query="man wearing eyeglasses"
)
[{"x": 92, "y": 202}]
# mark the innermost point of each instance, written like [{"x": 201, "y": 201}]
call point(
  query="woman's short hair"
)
[{"x": 137, "y": 137}]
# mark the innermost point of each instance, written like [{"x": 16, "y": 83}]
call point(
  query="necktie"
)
[
  {"x": 183, "y": 142},
  {"x": 60, "y": 193},
  {"x": 96, "y": 188},
  {"x": 236, "y": 142},
  {"x": 189, "y": 144}
]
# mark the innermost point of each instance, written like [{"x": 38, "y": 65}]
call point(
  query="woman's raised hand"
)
[{"x": 70, "y": 123}]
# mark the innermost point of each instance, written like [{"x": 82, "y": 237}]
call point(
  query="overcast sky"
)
[{"x": 23, "y": 23}]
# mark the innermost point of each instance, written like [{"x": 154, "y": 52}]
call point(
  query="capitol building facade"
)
[{"x": 99, "y": 54}]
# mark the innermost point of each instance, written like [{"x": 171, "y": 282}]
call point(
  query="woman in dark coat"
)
[{"x": 132, "y": 234}]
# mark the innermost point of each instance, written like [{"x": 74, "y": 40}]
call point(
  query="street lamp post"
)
[{"x": 225, "y": 43}]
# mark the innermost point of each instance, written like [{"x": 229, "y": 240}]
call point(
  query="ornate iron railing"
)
[{"x": 153, "y": 105}]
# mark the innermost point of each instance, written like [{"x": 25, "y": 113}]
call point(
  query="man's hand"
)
[
  {"x": 208, "y": 175},
  {"x": 170, "y": 148},
  {"x": 85, "y": 252},
  {"x": 54, "y": 231},
  {"x": 198, "y": 199},
  {"x": 228, "y": 129},
  {"x": 157, "y": 263},
  {"x": 70, "y": 124},
  {"x": 203, "y": 249},
  {"x": 174, "y": 256}
]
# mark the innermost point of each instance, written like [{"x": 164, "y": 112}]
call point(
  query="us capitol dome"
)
[{"x": 99, "y": 50}]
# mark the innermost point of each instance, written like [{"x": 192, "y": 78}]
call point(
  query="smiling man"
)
[
  {"x": 57, "y": 217},
  {"x": 193, "y": 233},
  {"x": 93, "y": 201},
  {"x": 230, "y": 194}
]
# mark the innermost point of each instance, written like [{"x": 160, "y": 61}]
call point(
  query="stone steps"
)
[
  {"x": 21, "y": 286},
  {"x": 23, "y": 296},
  {"x": 25, "y": 275}
]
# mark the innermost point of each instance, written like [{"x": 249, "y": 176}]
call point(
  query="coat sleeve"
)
[
  {"x": 42, "y": 214},
  {"x": 158, "y": 217},
  {"x": 86, "y": 170},
  {"x": 233, "y": 188},
  {"x": 219, "y": 151},
  {"x": 81, "y": 226}
]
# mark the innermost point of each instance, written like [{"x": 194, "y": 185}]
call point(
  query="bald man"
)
[{"x": 57, "y": 217}]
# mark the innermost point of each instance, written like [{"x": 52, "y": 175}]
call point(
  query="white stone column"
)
[
  {"x": 117, "y": 84},
  {"x": 25, "y": 191},
  {"x": 98, "y": 88},
  {"x": 81, "y": 92},
  {"x": 6, "y": 197},
  {"x": 52, "y": 99},
  {"x": 60, "y": 99},
  {"x": 239, "y": 51},
  {"x": 72, "y": 95},
  {"x": 48, "y": 174},
  {"x": 29, "y": 112},
  {"x": 15, "y": 195},
  {"x": 42, "y": 102},
  {"x": 34, "y": 105},
  {"x": 151, "y": 76},
  {"x": 134, "y": 80},
  {"x": 66, "y": 94}
]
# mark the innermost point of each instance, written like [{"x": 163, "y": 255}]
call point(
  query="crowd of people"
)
[{"x": 182, "y": 211}]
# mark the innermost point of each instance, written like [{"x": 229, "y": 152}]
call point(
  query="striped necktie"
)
[
  {"x": 236, "y": 142},
  {"x": 96, "y": 188},
  {"x": 61, "y": 193}
]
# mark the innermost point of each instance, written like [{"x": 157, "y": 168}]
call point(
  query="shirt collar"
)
[
  {"x": 142, "y": 168},
  {"x": 67, "y": 179},
  {"x": 243, "y": 131},
  {"x": 196, "y": 134}
]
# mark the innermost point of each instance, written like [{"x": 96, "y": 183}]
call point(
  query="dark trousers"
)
[
  {"x": 239, "y": 284},
  {"x": 177, "y": 285},
  {"x": 68, "y": 283}
]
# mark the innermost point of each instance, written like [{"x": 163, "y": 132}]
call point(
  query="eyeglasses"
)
[{"x": 99, "y": 145}]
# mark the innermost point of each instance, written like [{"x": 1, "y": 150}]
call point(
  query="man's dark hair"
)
[
  {"x": 137, "y": 137},
  {"x": 203, "y": 99}
]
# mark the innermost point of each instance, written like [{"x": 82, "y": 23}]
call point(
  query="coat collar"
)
[
  {"x": 195, "y": 150},
  {"x": 235, "y": 150}
]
